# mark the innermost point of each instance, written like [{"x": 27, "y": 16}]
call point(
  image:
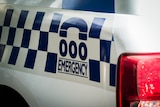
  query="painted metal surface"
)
[
  {"x": 51, "y": 44},
  {"x": 69, "y": 57}
]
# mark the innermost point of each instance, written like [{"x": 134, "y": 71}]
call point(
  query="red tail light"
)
[{"x": 138, "y": 80}]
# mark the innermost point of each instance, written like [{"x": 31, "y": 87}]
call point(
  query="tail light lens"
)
[{"x": 138, "y": 80}]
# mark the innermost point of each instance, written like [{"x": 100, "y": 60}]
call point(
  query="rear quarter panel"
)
[{"x": 55, "y": 57}]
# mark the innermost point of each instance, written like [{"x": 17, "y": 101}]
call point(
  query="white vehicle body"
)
[{"x": 67, "y": 58}]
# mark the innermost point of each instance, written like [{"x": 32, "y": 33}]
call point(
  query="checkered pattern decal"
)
[{"x": 26, "y": 40}]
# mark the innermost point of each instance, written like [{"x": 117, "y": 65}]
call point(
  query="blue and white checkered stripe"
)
[{"x": 26, "y": 43}]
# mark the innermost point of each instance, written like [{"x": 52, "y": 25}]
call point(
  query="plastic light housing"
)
[{"x": 138, "y": 80}]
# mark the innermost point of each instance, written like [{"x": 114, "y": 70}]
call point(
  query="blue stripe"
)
[
  {"x": 26, "y": 38},
  {"x": 43, "y": 41},
  {"x": 30, "y": 60},
  {"x": 90, "y": 5},
  {"x": 112, "y": 74},
  {"x": 51, "y": 62},
  {"x": 11, "y": 36},
  {"x": 22, "y": 18},
  {"x": 94, "y": 68},
  {"x": 14, "y": 55},
  {"x": 8, "y": 17},
  {"x": 96, "y": 27},
  {"x": 38, "y": 21},
  {"x": 105, "y": 48},
  {"x": 55, "y": 22},
  {"x": 2, "y": 48}
]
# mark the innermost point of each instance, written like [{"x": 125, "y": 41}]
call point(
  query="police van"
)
[{"x": 75, "y": 53}]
